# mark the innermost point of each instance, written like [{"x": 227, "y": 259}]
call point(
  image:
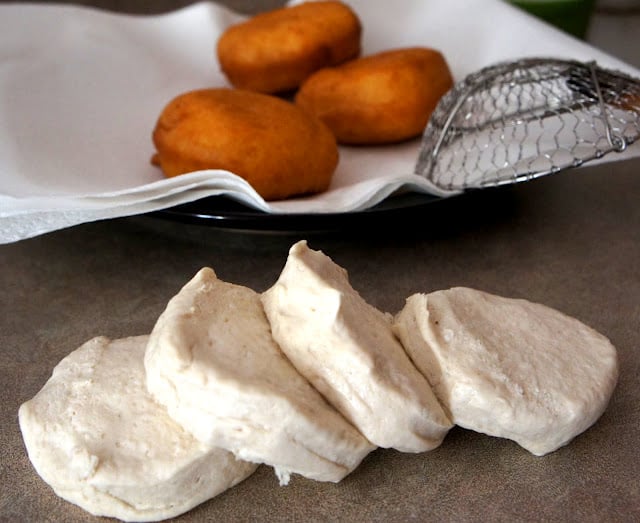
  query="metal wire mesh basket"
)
[{"x": 516, "y": 121}]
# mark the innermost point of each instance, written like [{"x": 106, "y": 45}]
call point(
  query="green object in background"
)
[{"x": 571, "y": 16}]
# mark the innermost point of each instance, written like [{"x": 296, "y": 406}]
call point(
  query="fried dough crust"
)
[
  {"x": 383, "y": 98},
  {"x": 274, "y": 145},
  {"x": 275, "y": 51}
]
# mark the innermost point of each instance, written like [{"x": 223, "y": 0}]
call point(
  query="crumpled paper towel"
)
[{"x": 81, "y": 90}]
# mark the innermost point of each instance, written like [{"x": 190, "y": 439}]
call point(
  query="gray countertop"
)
[{"x": 570, "y": 241}]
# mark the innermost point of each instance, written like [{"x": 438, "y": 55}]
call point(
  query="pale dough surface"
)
[
  {"x": 509, "y": 367},
  {"x": 213, "y": 363},
  {"x": 96, "y": 436},
  {"x": 347, "y": 349}
]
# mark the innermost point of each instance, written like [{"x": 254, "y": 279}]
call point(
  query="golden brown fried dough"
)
[
  {"x": 278, "y": 148},
  {"x": 275, "y": 51},
  {"x": 383, "y": 98}
]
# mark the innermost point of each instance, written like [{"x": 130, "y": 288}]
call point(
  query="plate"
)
[
  {"x": 75, "y": 145},
  {"x": 224, "y": 212}
]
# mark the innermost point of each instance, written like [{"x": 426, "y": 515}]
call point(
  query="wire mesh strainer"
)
[{"x": 519, "y": 120}]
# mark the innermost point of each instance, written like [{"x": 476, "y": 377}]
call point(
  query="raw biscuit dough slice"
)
[
  {"x": 347, "y": 350},
  {"x": 509, "y": 367},
  {"x": 96, "y": 436},
  {"x": 212, "y": 362}
]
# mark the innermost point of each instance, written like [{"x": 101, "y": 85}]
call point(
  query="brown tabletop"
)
[{"x": 570, "y": 241}]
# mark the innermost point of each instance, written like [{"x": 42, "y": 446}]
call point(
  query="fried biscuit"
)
[
  {"x": 383, "y": 98},
  {"x": 275, "y": 146},
  {"x": 275, "y": 51}
]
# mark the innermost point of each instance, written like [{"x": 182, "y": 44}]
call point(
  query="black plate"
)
[{"x": 223, "y": 212}]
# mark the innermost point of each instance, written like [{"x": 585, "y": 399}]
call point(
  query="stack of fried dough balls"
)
[{"x": 311, "y": 52}]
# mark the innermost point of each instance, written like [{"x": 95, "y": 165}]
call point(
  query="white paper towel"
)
[{"x": 81, "y": 89}]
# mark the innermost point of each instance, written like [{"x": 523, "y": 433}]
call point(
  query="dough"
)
[
  {"x": 98, "y": 439},
  {"x": 508, "y": 367},
  {"x": 275, "y": 51},
  {"x": 281, "y": 150},
  {"x": 212, "y": 362},
  {"x": 346, "y": 349},
  {"x": 377, "y": 99}
]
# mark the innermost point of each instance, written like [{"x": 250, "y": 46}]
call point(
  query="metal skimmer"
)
[{"x": 517, "y": 121}]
